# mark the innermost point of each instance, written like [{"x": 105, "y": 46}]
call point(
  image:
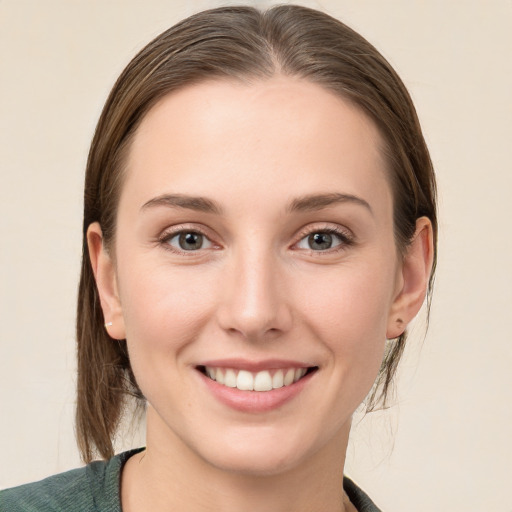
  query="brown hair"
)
[{"x": 241, "y": 43}]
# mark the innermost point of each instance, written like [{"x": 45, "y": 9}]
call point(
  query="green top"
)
[{"x": 95, "y": 488}]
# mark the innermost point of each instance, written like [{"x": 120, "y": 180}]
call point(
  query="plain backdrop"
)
[{"x": 446, "y": 445}]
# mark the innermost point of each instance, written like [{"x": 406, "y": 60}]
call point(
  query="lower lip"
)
[{"x": 255, "y": 401}]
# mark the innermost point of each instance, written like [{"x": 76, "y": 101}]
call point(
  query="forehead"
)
[{"x": 281, "y": 131}]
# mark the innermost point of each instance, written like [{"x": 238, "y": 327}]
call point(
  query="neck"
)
[{"x": 171, "y": 476}]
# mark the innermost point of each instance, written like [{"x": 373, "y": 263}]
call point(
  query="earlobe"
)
[
  {"x": 106, "y": 282},
  {"x": 414, "y": 278}
]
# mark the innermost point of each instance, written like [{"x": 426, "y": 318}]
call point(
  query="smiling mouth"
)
[{"x": 265, "y": 380}]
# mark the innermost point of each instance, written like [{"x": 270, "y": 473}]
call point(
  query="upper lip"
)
[{"x": 255, "y": 366}]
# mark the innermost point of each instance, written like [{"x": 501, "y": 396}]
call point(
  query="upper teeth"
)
[{"x": 259, "y": 381}]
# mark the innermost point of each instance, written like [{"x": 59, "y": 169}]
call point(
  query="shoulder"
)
[
  {"x": 93, "y": 488},
  {"x": 67, "y": 491}
]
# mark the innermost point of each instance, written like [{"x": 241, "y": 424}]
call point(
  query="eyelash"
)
[
  {"x": 346, "y": 239},
  {"x": 167, "y": 236}
]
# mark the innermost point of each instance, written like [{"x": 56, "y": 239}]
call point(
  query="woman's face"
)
[{"x": 254, "y": 246}]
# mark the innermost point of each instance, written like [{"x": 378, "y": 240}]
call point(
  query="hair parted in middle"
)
[{"x": 244, "y": 44}]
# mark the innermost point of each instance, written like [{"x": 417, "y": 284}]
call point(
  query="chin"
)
[
  {"x": 262, "y": 452},
  {"x": 256, "y": 462}
]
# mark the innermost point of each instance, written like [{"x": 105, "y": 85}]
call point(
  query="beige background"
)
[{"x": 447, "y": 444}]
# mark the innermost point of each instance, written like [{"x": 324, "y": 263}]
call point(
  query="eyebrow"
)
[
  {"x": 315, "y": 202},
  {"x": 200, "y": 204},
  {"x": 306, "y": 203}
]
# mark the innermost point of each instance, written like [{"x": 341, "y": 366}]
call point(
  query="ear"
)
[
  {"x": 106, "y": 282},
  {"x": 413, "y": 279}
]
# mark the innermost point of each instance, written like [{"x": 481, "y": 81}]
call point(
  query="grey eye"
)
[
  {"x": 320, "y": 241},
  {"x": 189, "y": 241}
]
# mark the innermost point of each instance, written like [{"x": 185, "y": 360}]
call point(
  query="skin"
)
[{"x": 256, "y": 290}]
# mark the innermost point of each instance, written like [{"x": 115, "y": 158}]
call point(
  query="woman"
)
[{"x": 259, "y": 229}]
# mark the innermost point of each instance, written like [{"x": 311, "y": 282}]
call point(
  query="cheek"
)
[
  {"x": 349, "y": 299},
  {"x": 163, "y": 309},
  {"x": 349, "y": 310},
  {"x": 164, "y": 313}
]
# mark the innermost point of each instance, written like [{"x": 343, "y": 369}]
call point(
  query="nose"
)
[{"x": 254, "y": 302}]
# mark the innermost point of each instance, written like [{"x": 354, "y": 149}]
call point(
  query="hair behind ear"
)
[
  {"x": 418, "y": 260},
  {"x": 104, "y": 377}
]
